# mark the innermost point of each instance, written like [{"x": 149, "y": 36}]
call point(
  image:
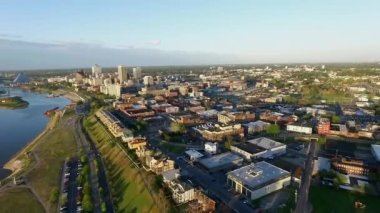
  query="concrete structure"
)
[
  {"x": 222, "y": 161},
  {"x": 257, "y": 180},
  {"x": 299, "y": 129},
  {"x": 111, "y": 89},
  {"x": 181, "y": 192},
  {"x": 211, "y": 148},
  {"x": 122, "y": 73},
  {"x": 376, "y": 151}
]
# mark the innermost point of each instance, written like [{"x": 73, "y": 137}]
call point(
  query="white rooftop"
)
[
  {"x": 255, "y": 176},
  {"x": 266, "y": 143},
  {"x": 193, "y": 153}
]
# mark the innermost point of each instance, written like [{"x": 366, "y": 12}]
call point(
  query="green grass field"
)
[
  {"x": 128, "y": 189},
  {"x": 19, "y": 200},
  {"x": 325, "y": 200},
  {"x": 53, "y": 149},
  {"x": 172, "y": 148}
]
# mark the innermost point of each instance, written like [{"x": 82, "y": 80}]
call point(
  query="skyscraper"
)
[
  {"x": 137, "y": 73},
  {"x": 96, "y": 70},
  {"x": 122, "y": 73}
]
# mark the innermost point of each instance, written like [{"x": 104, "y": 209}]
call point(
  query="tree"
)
[
  {"x": 54, "y": 194},
  {"x": 335, "y": 119},
  {"x": 273, "y": 129},
  {"x": 322, "y": 141},
  {"x": 177, "y": 127},
  {"x": 103, "y": 207},
  {"x": 229, "y": 142},
  {"x": 87, "y": 203}
]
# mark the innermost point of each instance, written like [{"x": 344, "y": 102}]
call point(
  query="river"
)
[{"x": 18, "y": 127}]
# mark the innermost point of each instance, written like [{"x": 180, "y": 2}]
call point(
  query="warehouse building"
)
[{"x": 257, "y": 180}]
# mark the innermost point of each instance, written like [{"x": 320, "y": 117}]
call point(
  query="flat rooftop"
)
[
  {"x": 376, "y": 150},
  {"x": 266, "y": 143},
  {"x": 250, "y": 148},
  {"x": 220, "y": 160},
  {"x": 255, "y": 176}
]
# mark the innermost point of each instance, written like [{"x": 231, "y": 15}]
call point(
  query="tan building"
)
[
  {"x": 138, "y": 144},
  {"x": 159, "y": 164},
  {"x": 111, "y": 122},
  {"x": 235, "y": 117},
  {"x": 219, "y": 132},
  {"x": 350, "y": 167}
]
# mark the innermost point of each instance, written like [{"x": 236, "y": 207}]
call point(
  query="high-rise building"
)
[
  {"x": 148, "y": 80},
  {"x": 96, "y": 70},
  {"x": 122, "y": 73},
  {"x": 137, "y": 73}
]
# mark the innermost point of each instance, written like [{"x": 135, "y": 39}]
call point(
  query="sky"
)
[{"x": 70, "y": 33}]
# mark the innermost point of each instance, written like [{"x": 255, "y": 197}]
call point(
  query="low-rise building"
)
[
  {"x": 193, "y": 155},
  {"x": 159, "y": 163},
  {"x": 222, "y": 161},
  {"x": 217, "y": 132},
  {"x": 299, "y": 128},
  {"x": 350, "y": 166},
  {"x": 112, "y": 123},
  {"x": 257, "y": 180},
  {"x": 259, "y": 148},
  {"x": 375, "y": 149},
  {"x": 323, "y": 127},
  {"x": 254, "y": 127},
  {"x": 181, "y": 192},
  {"x": 235, "y": 117}
]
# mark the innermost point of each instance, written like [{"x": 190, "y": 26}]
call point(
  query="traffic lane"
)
[{"x": 104, "y": 184}]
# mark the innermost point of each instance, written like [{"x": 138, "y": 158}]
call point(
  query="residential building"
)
[
  {"x": 235, "y": 117},
  {"x": 218, "y": 132},
  {"x": 257, "y": 180},
  {"x": 323, "y": 127},
  {"x": 255, "y": 127},
  {"x": 181, "y": 192},
  {"x": 159, "y": 163},
  {"x": 111, "y": 122}
]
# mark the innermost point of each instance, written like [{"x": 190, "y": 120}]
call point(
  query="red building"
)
[{"x": 324, "y": 126}]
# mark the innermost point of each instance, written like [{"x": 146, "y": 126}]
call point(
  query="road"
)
[
  {"x": 97, "y": 179},
  {"x": 71, "y": 189},
  {"x": 93, "y": 174},
  {"x": 303, "y": 205}
]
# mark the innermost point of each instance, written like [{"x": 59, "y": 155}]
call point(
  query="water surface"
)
[{"x": 19, "y": 126}]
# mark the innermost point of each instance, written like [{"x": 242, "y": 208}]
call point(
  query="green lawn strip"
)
[
  {"x": 326, "y": 199},
  {"x": 54, "y": 148},
  {"x": 128, "y": 189},
  {"x": 19, "y": 200}
]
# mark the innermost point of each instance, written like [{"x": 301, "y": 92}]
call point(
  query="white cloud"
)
[{"x": 153, "y": 42}]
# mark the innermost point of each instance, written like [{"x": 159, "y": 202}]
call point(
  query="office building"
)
[
  {"x": 137, "y": 74},
  {"x": 148, "y": 80},
  {"x": 96, "y": 70},
  {"x": 122, "y": 73},
  {"x": 259, "y": 148},
  {"x": 222, "y": 161}
]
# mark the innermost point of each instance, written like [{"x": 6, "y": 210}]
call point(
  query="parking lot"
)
[{"x": 70, "y": 199}]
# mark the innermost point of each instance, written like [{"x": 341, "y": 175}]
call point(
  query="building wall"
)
[{"x": 299, "y": 129}]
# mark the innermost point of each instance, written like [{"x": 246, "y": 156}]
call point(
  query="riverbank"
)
[
  {"x": 16, "y": 164},
  {"x": 13, "y": 103}
]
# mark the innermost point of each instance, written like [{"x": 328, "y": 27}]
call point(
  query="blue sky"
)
[{"x": 161, "y": 32}]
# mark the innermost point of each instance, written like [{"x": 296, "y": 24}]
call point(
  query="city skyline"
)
[{"x": 147, "y": 33}]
